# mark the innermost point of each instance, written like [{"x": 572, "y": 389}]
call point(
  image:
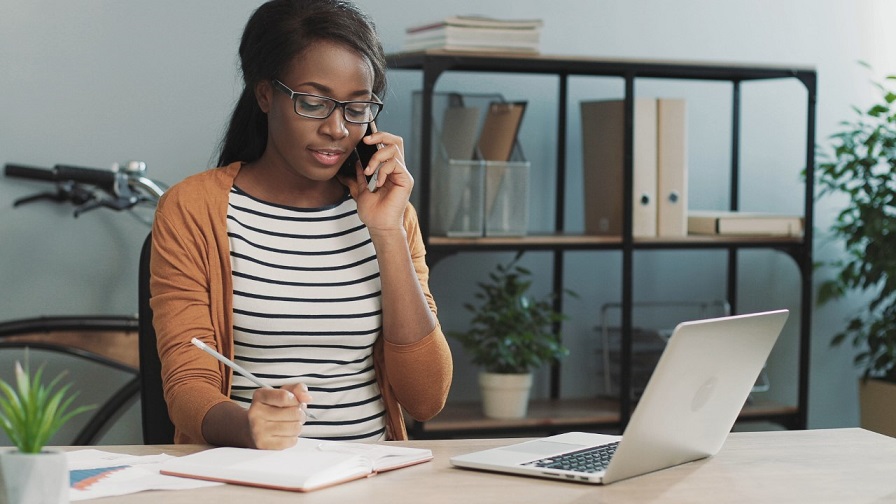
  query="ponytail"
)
[{"x": 247, "y": 133}]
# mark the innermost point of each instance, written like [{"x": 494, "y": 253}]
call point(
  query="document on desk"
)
[
  {"x": 96, "y": 473},
  {"x": 310, "y": 465}
]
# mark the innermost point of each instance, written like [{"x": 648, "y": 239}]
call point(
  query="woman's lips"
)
[{"x": 327, "y": 157}]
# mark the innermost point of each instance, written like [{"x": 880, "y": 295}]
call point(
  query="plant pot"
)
[
  {"x": 877, "y": 406},
  {"x": 505, "y": 396},
  {"x": 35, "y": 478}
]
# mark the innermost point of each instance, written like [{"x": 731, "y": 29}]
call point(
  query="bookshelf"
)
[{"x": 557, "y": 413}]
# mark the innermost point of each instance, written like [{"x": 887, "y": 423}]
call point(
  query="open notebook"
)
[
  {"x": 691, "y": 401},
  {"x": 309, "y": 465}
]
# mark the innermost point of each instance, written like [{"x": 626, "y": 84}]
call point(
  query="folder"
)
[
  {"x": 459, "y": 127},
  {"x": 603, "y": 130},
  {"x": 499, "y": 130},
  {"x": 672, "y": 168},
  {"x": 496, "y": 141}
]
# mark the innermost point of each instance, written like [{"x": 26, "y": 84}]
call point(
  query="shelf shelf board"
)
[
  {"x": 592, "y": 242},
  {"x": 584, "y": 65},
  {"x": 560, "y": 414}
]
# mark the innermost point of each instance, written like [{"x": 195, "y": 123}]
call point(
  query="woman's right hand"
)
[{"x": 276, "y": 416}]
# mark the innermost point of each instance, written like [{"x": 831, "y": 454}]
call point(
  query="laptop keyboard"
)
[{"x": 588, "y": 460}]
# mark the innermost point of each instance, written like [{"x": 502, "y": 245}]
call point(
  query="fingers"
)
[
  {"x": 276, "y": 418},
  {"x": 388, "y": 161}
]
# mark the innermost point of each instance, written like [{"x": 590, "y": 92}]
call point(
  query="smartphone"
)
[{"x": 364, "y": 153}]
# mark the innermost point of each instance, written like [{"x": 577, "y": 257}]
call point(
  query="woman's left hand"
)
[{"x": 382, "y": 210}]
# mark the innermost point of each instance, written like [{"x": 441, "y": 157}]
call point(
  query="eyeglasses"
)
[{"x": 320, "y": 107}]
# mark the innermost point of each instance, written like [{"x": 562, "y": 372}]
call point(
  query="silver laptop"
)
[{"x": 689, "y": 406}]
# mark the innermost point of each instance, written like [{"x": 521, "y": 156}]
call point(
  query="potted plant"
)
[
  {"x": 862, "y": 166},
  {"x": 30, "y": 413},
  {"x": 511, "y": 334}
]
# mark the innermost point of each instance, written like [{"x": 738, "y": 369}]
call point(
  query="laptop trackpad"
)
[{"x": 540, "y": 447}]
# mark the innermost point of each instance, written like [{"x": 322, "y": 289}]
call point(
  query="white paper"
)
[{"x": 96, "y": 473}]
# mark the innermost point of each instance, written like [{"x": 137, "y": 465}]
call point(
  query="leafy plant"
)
[
  {"x": 511, "y": 332},
  {"x": 862, "y": 167},
  {"x": 31, "y": 412}
]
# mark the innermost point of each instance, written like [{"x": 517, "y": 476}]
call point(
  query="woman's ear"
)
[{"x": 264, "y": 95}]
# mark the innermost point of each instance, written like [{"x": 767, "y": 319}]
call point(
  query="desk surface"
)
[{"x": 836, "y": 465}]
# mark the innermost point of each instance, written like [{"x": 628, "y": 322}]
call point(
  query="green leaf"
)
[
  {"x": 511, "y": 331},
  {"x": 31, "y": 412}
]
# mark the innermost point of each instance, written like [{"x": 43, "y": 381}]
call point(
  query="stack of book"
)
[{"x": 476, "y": 33}]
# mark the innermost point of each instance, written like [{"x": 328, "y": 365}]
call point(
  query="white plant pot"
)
[
  {"x": 35, "y": 478},
  {"x": 505, "y": 396}
]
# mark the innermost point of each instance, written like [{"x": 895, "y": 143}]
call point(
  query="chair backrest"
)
[{"x": 157, "y": 426}]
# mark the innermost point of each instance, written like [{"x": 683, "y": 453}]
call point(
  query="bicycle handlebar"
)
[
  {"x": 29, "y": 172},
  {"x": 80, "y": 175},
  {"x": 125, "y": 185}
]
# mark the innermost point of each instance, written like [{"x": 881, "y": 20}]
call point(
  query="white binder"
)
[{"x": 672, "y": 168}]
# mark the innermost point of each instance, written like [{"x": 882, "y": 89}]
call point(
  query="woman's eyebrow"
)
[{"x": 328, "y": 91}]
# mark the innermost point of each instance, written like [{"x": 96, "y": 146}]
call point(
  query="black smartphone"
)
[{"x": 363, "y": 152}]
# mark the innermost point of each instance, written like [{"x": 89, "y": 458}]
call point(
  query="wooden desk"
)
[{"x": 816, "y": 466}]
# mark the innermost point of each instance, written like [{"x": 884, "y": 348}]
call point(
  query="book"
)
[
  {"x": 672, "y": 168},
  {"x": 477, "y": 22},
  {"x": 476, "y": 33},
  {"x": 744, "y": 223},
  {"x": 603, "y": 130},
  {"x": 309, "y": 465}
]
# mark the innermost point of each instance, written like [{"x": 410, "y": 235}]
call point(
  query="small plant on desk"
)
[{"x": 30, "y": 413}]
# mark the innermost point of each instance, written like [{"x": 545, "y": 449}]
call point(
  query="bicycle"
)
[{"x": 106, "y": 340}]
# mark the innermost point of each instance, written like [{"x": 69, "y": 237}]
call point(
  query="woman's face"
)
[{"x": 315, "y": 148}]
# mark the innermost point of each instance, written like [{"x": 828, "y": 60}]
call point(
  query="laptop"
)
[{"x": 699, "y": 386}]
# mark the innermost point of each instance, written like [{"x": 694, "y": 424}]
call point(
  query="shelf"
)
[
  {"x": 560, "y": 415},
  {"x": 441, "y": 246},
  {"x": 580, "y": 65},
  {"x": 566, "y": 241}
]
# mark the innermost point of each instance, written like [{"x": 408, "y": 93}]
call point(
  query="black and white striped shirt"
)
[{"x": 307, "y": 308}]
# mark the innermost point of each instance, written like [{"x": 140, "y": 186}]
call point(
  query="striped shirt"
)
[{"x": 307, "y": 308}]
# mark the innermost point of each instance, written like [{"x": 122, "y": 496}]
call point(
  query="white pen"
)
[{"x": 239, "y": 369}]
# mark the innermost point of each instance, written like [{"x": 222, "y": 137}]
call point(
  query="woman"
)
[{"x": 299, "y": 273}]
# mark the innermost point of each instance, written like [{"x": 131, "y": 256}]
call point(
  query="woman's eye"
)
[
  {"x": 357, "y": 111},
  {"x": 311, "y": 104}
]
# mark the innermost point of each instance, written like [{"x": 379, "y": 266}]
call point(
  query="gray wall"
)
[{"x": 95, "y": 82}]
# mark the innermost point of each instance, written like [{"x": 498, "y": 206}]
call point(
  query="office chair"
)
[{"x": 157, "y": 426}]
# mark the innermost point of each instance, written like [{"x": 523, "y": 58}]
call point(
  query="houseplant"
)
[
  {"x": 511, "y": 334},
  {"x": 30, "y": 413},
  {"x": 861, "y": 167}
]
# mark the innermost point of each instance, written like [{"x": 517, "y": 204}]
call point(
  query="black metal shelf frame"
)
[{"x": 433, "y": 64}]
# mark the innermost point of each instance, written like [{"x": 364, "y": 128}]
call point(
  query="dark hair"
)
[{"x": 277, "y": 32}]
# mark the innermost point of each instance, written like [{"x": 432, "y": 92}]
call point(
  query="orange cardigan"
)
[{"x": 192, "y": 296}]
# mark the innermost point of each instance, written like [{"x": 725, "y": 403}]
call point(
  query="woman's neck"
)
[{"x": 283, "y": 188}]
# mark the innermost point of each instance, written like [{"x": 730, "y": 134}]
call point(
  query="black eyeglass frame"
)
[{"x": 337, "y": 103}]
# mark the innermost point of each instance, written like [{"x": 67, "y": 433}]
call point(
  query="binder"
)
[
  {"x": 672, "y": 168},
  {"x": 603, "y": 131}
]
